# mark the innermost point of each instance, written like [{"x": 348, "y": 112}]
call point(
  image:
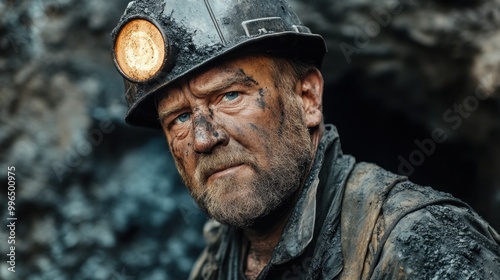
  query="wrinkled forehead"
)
[{"x": 241, "y": 69}]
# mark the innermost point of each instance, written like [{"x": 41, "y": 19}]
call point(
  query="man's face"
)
[{"x": 239, "y": 142}]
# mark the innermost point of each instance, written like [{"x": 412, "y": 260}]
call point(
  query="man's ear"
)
[{"x": 311, "y": 95}]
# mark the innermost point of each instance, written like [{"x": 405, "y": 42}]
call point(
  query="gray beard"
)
[{"x": 259, "y": 197}]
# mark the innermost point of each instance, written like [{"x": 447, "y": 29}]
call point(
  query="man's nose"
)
[{"x": 207, "y": 134}]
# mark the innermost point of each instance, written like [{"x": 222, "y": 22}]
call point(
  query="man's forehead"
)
[
  {"x": 222, "y": 74},
  {"x": 233, "y": 68}
]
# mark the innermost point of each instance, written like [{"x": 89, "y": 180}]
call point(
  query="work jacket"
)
[{"x": 359, "y": 221}]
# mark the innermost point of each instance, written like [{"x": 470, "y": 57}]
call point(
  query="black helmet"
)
[{"x": 158, "y": 41}]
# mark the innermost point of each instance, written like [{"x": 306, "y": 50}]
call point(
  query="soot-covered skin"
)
[{"x": 235, "y": 105}]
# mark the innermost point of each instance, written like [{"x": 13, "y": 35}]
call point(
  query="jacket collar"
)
[{"x": 299, "y": 230}]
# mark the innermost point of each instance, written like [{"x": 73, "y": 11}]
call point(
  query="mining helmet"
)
[{"x": 157, "y": 42}]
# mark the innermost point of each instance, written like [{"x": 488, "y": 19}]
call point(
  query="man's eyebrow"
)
[
  {"x": 235, "y": 77},
  {"x": 164, "y": 113}
]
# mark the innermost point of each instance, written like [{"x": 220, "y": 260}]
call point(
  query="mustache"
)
[{"x": 209, "y": 164}]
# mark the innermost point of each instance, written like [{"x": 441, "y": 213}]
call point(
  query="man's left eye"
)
[{"x": 231, "y": 95}]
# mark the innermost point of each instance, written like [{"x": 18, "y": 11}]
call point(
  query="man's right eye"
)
[{"x": 183, "y": 118}]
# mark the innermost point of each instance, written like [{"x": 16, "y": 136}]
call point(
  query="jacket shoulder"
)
[
  {"x": 438, "y": 241},
  {"x": 385, "y": 218},
  {"x": 365, "y": 192}
]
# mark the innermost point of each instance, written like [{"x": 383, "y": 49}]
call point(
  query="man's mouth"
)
[{"x": 222, "y": 171}]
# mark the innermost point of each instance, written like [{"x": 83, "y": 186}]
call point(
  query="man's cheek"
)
[{"x": 180, "y": 154}]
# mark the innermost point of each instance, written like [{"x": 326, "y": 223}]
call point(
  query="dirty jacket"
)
[{"x": 358, "y": 221}]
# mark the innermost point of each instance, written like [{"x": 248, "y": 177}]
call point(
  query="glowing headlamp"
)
[{"x": 140, "y": 50}]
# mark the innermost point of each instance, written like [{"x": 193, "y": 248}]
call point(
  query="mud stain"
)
[
  {"x": 247, "y": 80},
  {"x": 261, "y": 134},
  {"x": 261, "y": 100},
  {"x": 282, "y": 115},
  {"x": 176, "y": 154},
  {"x": 204, "y": 125}
]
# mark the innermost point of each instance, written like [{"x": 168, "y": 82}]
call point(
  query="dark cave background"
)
[{"x": 98, "y": 199}]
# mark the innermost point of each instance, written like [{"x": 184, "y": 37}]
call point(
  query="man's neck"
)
[
  {"x": 263, "y": 239},
  {"x": 261, "y": 247}
]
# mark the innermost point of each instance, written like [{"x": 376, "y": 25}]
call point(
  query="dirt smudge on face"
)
[
  {"x": 261, "y": 100},
  {"x": 175, "y": 153},
  {"x": 238, "y": 130},
  {"x": 281, "y": 107},
  {"x": 253, "y": 127},
  {"x": 262, "y": 134},
  {"x": 203, "y": 125},
  {"x": 248, "y": 80},
  {"x": 204, "y": 129}
]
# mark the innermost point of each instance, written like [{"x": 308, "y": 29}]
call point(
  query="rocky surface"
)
[{"x": 407, "y": 81}]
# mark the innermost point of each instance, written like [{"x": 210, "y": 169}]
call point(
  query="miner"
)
[{"x": 235, "y": 87}]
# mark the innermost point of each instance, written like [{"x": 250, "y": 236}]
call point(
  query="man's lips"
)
[{"x": 223, "y": 171}]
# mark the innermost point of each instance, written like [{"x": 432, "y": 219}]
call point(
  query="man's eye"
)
[
  {"x": 183, "y": 118},
  {"x": 231, "y": 95}
]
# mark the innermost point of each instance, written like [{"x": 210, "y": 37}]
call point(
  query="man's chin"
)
[
  {"x": 237, "y": 224},
  {"x": 263, "y": 219},
  {"x": 237, "y": 214}
]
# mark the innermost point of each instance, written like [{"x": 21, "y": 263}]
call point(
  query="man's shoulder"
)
[
  {"x": 370, "y": 187},
  {"x": 405, "y": 230},
  {"x": 371, "y": 180},
  {"x": 438, "y": 241}
]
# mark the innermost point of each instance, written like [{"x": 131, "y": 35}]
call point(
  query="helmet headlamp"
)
[{"x": 140, "y": 50}]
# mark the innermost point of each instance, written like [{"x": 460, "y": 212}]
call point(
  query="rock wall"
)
[{"x": 97, "y": 199}]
